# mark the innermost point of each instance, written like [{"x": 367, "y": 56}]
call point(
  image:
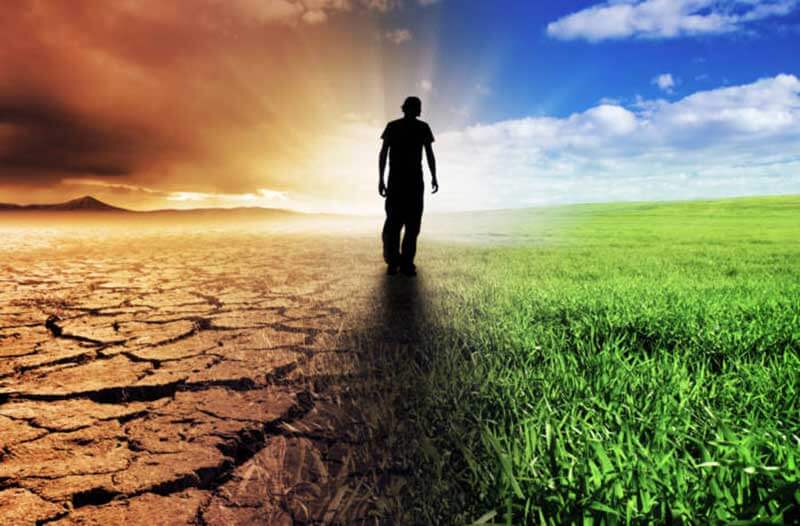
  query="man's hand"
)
[
  {"x": 432, "y": 166},
  {"x": 382, "y": 188}
]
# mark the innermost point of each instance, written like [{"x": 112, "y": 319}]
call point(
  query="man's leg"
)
[
  {"x": 391, "y": 233},
  {"x": 413, "y": 222}
]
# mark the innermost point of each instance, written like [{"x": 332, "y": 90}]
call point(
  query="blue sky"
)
[
  {"x": 558, "y": 102},
  {"x": 531, "y": 72},
  {"x": 281, "y": 102}
]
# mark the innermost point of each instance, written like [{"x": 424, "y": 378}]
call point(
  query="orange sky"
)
[
  {"x": 151, "y": 104},
  {"x": 280, "y": 103}
]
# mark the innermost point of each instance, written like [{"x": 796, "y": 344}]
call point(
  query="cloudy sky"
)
[{"x": 196, "y": 103}]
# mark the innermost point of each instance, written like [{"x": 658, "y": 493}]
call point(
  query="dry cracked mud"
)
[{"x": 184, "y": 377}]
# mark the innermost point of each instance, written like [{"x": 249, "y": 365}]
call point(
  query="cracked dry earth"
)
[{"x": 182, "y": 378}]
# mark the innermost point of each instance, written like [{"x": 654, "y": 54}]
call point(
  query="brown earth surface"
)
[{"x": 189, "y": 377}]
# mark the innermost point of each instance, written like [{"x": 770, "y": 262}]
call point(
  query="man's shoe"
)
[
  {"x": 409, "y": 270},
  {"x": 391, "y": 270}
]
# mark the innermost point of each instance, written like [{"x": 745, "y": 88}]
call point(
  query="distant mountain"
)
[
  {"x": 85, "y": 204},
  {"x": 90, "y": 204}
]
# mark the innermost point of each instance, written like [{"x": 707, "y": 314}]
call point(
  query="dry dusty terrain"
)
[{"x": 186, "y": 377}]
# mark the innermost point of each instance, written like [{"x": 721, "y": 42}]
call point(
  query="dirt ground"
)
[{"x": 189, "y": 377}]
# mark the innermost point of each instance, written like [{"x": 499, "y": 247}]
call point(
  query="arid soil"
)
[{"x": 185, "y": 377}]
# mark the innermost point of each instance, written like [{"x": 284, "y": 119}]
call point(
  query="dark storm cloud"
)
[
  {"x": 200, "y": 95},
  {"x": 77, "y": 101},
  {"x": 44, "y": 140}
]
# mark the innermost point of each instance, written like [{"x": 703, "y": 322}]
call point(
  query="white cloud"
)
[
  {"x": 105, "y": 185},
  {"x": 665, "y": 82},
  {"x": 398, "y": 36},
  {"x": 273, "y": 195},
  {"x": 739, "y": 140},
  {"x": 316, "y": 16},
  {"x": 263, "y": 197},
  {"x": 425, "y": 85},
  {"x": 616, "y": 19},
  {"x": 377, "y": 5},
  {"x": 308, "y": 11},
  {"x": 266, "y": 12},
  {"x": 707, "y": 144},
  {"x": 482, "y": 89}
]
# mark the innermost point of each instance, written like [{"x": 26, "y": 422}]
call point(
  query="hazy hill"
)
[
  {"x": 86, "y": 203},
  {"x": 91, "y": 204}
]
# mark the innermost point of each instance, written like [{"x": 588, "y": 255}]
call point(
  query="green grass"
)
[{"x": 642, "y": 364}]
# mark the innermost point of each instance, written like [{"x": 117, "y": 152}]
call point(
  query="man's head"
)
[{"x": 412, "y": 107}]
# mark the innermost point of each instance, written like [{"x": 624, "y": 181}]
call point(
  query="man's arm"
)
[
  {"x": 432, "y": 166},
  {"x": 382, "y": 168}
]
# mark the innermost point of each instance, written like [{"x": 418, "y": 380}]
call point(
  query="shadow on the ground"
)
[
  {"x": 390, "y": 343},
  {"x": 401, "y": 309}
]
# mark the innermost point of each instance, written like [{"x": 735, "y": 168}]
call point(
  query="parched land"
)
[
  {"x": 185, "y": 378},
  {"x": 594, "y": 363}
]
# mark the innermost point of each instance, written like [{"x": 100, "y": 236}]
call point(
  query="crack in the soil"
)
[
  {"x": 74, "y": 359},
  {"x": 266, "y": 300},
  {"x": 58, "y": 332},
  {"x": 53, "y": 518},
  {"x": 237, "y": 450},
  {"x": 150, "y": 393},
  {"x": 211, "y": 300}
]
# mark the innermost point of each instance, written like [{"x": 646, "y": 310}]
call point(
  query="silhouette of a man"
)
[{"x": 403, "y": 141}]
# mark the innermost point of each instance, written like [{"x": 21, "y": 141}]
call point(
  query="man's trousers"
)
[{"x": 403, "y": 210}]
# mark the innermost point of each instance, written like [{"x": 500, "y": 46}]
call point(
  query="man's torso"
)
[{"x": 406, "y": 138}]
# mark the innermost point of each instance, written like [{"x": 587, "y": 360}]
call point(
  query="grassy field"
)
[{"x": 624, "y": 363}]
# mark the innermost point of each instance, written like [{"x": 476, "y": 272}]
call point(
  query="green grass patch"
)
[{"x": 643, "y": 366}]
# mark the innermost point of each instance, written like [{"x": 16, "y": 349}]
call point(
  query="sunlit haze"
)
[{"x": 276, "y": 103}]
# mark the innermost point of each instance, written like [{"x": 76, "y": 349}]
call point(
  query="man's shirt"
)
[{"x": 406, "y": 139}]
